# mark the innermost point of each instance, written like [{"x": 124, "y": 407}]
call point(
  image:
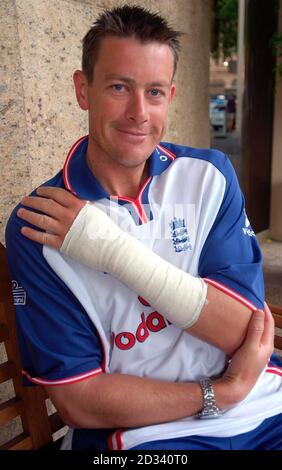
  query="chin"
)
[
  {"x": 139, "y": 152},
  {"x": 132, "y": 161}
]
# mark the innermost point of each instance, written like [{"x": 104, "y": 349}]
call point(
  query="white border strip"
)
[{"x": 76, "y": 378}]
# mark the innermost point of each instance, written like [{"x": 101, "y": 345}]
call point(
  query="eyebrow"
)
[{"x": 129, "y": 80}]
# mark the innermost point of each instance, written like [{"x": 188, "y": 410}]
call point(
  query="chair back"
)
[{"x": 23, "y": 411}]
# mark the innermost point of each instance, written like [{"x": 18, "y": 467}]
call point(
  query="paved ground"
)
[
  {"x": 231, "y": 146},
  {"x": 272, "y": 268},
  {"x": 272, "y": 262},
  {"x": 272, "y": 250}
]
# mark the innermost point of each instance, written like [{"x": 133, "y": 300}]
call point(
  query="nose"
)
[{"x": 137, "y": 109}]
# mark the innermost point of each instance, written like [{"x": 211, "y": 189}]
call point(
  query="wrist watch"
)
[{"x": 210, "y": 408}]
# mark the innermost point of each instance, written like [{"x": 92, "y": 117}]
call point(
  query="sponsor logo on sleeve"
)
[
  {"x": 19, "y": 294},
  {"x": 247, "y": 230}
]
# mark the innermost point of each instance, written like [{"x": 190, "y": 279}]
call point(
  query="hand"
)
[
  {"x": 58, "y": 208},
  {"x": 251, "y": 358}
]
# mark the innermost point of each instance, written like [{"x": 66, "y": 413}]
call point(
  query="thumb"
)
[{"x": 256, "y": 327}]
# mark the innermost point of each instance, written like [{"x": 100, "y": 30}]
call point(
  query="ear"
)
[
  {"x": 81, "y": 89},
  {"x": 172, "y": 92}
]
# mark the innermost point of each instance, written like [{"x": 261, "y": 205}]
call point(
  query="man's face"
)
[{"x": 128, "y": 99}]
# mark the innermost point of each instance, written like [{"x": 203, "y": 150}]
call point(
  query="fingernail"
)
[{"x": 259, "y": 313}]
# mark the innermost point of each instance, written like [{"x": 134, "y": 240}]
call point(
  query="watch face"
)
[{"x": 204, "y": 414}]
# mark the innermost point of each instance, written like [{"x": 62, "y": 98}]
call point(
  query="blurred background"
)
[{"x": 245, "y": 111}]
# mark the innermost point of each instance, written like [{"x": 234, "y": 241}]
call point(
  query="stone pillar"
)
[
  {"x": 276, "y": 177},
  {"x": 257, "y": 123},
  {"x": 189, "y": 117},
  {"x": 40, "y": 49},
  {"x": 15, "y": 162}
]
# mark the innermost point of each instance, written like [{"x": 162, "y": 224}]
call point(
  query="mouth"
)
[
  {"x": 132, "y": 132},
  {"x": 132, "y": 137}
]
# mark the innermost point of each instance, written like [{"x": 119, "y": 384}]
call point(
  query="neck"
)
[{"x": 117, "y": 179}]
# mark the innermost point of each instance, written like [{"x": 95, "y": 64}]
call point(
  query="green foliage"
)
[{"x": 225, "y": 25}]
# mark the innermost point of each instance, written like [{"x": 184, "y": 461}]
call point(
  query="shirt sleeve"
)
[
  {"x": 58, "y": 342},
  {"x": 231, "y": 258}
]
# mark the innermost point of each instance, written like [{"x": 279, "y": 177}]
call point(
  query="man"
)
[
  {"x": 126, "y": 346},
  {"x": 231, "y": 113}
]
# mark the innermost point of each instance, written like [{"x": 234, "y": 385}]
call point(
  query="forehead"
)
[{"x": 128, "y": 56}]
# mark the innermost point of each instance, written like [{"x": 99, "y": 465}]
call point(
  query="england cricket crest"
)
[{"x": 179, "y": 234}]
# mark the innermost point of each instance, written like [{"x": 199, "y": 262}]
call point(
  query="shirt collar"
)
[{"x": 80, "y": 180}]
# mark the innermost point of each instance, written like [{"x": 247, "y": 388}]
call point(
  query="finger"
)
[
  {"x": 269, "y": 326},
  {"x": 40, "y": 220},
  {"x": 43, "y": 238},
  {"x": 41, "y": 204},
  {"x": 267, "y": 312},
  {"x": 51, "y": 208},
  {"x": 256, "y": 327},
  {"x": 61, "y": 196}
]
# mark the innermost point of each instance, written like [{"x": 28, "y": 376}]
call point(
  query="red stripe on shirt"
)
[{"x": 232, "y": 293}]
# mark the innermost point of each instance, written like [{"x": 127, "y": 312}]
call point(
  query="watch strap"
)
[{"x": 210, "y": 408}]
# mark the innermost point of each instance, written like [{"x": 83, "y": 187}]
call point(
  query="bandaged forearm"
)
[{"x": 95, "y": 240}]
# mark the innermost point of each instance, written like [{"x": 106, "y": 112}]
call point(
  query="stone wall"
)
[{"x": 40, "y": 119}]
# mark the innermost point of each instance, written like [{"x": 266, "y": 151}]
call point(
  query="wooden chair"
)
[
  {"x": 29, "y": 403},
  {"x": 277, "y": 313}
]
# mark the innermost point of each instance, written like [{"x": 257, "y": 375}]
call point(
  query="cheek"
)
[
  {"x": 159, "y": 116},
  {"x": 111, "y": 109},
  {"x": 104, "y": 111}
]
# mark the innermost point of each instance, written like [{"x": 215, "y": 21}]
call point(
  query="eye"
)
[
  {"x": 118, "y": 87},
  {"x": 155, "y": 92}
]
